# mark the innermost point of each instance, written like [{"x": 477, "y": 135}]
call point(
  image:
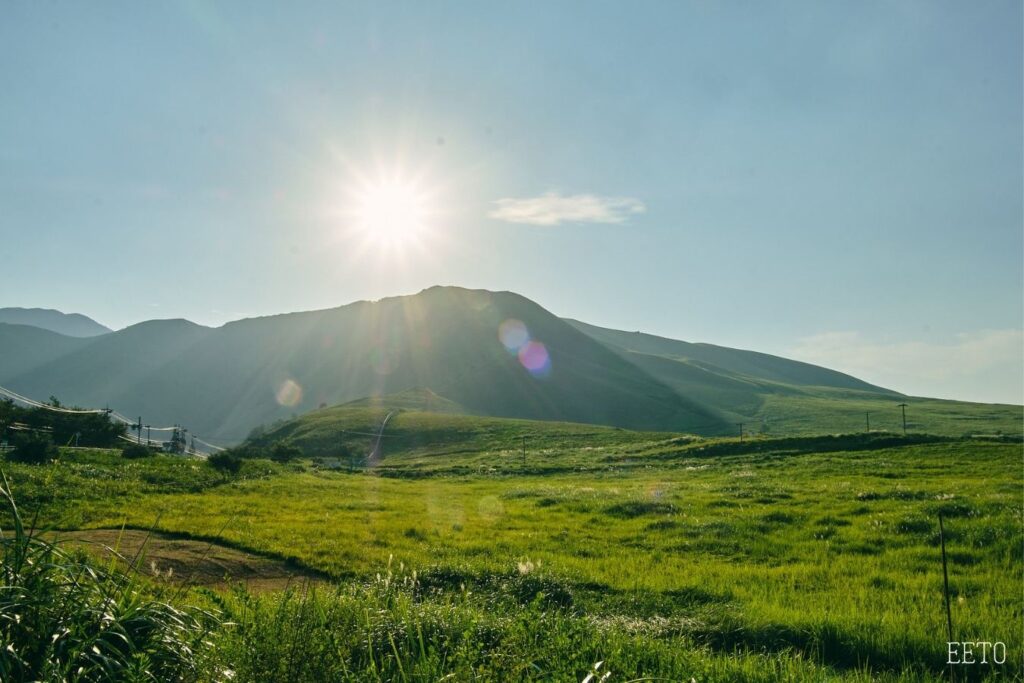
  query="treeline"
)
[{"x": 18, "y": 424}]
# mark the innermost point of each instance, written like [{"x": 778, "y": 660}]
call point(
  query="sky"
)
[{"x": 835, "y": 182}]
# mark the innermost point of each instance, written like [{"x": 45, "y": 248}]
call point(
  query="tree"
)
[
  {"x": 34, "y": 449},
  {"x": 282, "y": 452},
  {"x": 347, "y": 454}
]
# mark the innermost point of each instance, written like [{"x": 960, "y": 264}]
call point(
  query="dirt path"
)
[{"x": 194, "y": 563}]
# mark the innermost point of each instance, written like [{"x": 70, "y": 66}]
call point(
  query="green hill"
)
[
  {"x": 419, "y": 399},
  {"x": 415, "y": 434},
  {"x": 427, "y": 439}
]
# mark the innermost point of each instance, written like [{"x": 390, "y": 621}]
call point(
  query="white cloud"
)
[
  {"x": 986, "y": 366},
  {"x": 552, "y": 208}
]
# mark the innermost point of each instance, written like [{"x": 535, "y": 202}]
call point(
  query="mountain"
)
[
  {"x": 125, "y": 370},
  {"x": 734, "y": 363},
  {"x": 481, "y": 353},
  {"x": 69, "y": 324},
  {"x": 24, "y": 348},
  {"x": 735, "y": 381},
  {"x": 766, "y": 394},
  {"x": 222, "y": 382}
]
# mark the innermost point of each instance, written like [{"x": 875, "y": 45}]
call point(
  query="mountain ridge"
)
[
  {"x": 495, "y": 354},
  {"x": 68, "y": 324},
  {"x": 223, "y": 381}
]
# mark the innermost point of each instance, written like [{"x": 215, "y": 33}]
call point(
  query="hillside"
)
[
  {"x": 222, "y": 382},
  {"x": 487, "y": 353},
  {"x": 777, "y": 396},
  {"x": 735, "y": 364},
  {"x": 69, "y": 324},
  {"x": 424, "y": 434}
]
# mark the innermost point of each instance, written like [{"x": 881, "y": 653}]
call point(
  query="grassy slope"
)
[
  {"x": 446, "y": 439},
  {"x": 778, "y": 396},
  {"x": 419, "y": 439},
  {"x": 814, "y": 411},
  {"x": 832, "y": 552}
]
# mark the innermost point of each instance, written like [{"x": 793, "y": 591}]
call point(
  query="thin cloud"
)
[
  {"x": 552, "y": 208},
  {"x": 985, "y": 365}
]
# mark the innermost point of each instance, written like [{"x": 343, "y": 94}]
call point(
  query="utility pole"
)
[
  {"x": 740, "y": 425},
  {"x": 524, "y": 451},
  {"x": 903, "y": 407},
  {"x": 138, "y": 428},
  {"x": 867, "y": 418},
  {"x": 149, "y": 436}
]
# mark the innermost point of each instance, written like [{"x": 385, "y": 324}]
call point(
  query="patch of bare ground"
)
[{"x": 184, "y": 561}]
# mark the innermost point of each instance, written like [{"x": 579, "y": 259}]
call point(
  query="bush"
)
[
  {"x": 136, "y": 450},
  {"x": 34, "y": 450},
  {"x": 282, "y": 452},
  {"x": 225, "y": 462}
]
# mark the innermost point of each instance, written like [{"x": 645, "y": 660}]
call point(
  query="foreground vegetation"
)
[{"x": 657, "y": 556}]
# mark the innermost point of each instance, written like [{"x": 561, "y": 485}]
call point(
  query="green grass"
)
[
  {"x": 836, "y": 411},
  {"x": 455, "y": 442},
  {"x": 62, "y": 618},
  {"x": 791, "y": 559}
]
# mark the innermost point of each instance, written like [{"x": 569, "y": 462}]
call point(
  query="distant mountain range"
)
[
  {"x": 70, "y": 324},
  {"x": 489, "y": 353}
]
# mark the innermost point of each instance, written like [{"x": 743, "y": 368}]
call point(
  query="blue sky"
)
[{"x": 837, "y": 182}]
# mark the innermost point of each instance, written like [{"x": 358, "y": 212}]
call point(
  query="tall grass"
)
[{"x": 64, "y": 619}]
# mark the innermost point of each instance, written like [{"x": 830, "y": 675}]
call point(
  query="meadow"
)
[{"x": 661, "y": 557}]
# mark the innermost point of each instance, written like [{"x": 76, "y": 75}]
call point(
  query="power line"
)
[
  {"x": 136, "y": 425},
  {"x": 46, "y": 406}
]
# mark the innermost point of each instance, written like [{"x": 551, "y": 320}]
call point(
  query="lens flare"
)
[
  {"x": 289, "y": 393},
  {"x": 513, "y": 334},
  {"x": 534, "y": 357},
  {"x": 490, "y": 508}
]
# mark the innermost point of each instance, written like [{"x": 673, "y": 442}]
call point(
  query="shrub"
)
[
  {"x": 136, "y": 450},
  {"x": 282, "y": 452},
  {"x": 34, "y": 449},
  {"x": 227, "y": 463}
]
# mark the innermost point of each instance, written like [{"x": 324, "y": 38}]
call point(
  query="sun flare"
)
[{"x": 391, "y": 212}]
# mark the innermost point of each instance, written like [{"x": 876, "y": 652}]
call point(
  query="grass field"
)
[
  {"x": 662, "y": 557},
  {"x": 814, "y": 411}
]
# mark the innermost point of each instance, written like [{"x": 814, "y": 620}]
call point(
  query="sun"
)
[{"x": 391, "y": 212}]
